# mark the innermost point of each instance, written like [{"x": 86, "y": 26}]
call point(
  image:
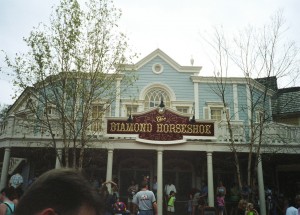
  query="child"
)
[
  {"x": 250, "y": 210},
  {"x": 171, "y": 203},
  {"x": 242, "y": 206},
  {"x": 220, "y": 203}
]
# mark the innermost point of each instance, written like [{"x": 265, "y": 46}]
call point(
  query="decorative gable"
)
[{"x": 157, "y": 68}]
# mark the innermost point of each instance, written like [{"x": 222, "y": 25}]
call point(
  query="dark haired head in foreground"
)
[{"x": 60, "y": 192}]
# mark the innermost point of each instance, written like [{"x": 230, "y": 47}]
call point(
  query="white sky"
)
[{"x": 174, "y": 26}]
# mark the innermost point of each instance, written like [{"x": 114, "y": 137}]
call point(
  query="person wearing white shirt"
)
[
  {"x": 292, "y": 210},
  {"x": 169, "y": 187}
]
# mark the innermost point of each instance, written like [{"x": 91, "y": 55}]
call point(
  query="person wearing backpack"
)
[{"x": 7, "y": 207}]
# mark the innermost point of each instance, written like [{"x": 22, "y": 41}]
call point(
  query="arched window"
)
[{"x": 153, "y": 98}]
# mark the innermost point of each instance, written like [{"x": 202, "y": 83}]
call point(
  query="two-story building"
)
[{"x": 173, "y": 123}]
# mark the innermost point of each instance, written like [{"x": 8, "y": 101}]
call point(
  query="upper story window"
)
[
  {"x": 97, "y": 115},
  {"x": 259, "y": 116},
  {"x": 215, "y": 111},
  {"x": 50, "y": 110},
  {"x": 154, "y": 96},
  {"x": 182, "y": 109},
  {"x": 131, "y": 109},
  {"x": 157, "y": 68}
]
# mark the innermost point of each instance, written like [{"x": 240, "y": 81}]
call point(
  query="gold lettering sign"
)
[{"x": 161, "y": 127}]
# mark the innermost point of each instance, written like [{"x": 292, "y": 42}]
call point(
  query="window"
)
[
  {"x": 259, "y": 116},
  {"x": 183, "y": 109},
  {"x": 131, "y": 109},
  {"x": 49, "y": 110},
  {"x": 154, "y": 97},
  {"x": 157, "y": 68},
  {"x": 98, "y": 112},
  {"x": 215, "y": 113}
]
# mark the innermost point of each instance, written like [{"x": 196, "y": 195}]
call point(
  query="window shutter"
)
[
  {"x": 206, "y": 113},
  {"x": 227, "y": 112}
]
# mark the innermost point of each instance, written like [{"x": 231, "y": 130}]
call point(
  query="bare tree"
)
[
  {"x": 261, "y": 54},
  {"x": 70, "y": 74}
]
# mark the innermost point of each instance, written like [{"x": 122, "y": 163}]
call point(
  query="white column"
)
[
  {"x": 109, "y": 167},
  {"x": 210, "y": 180},
  {"x": 58, "y": 158},
  {"x": 118, "y": 98},
  {"x": 159, "y": 182},
  {"x": 5, "y": 166},
  {"x": 235, "y": 102},
  {"x": 261, "y": 187},
  {"x": 249, "y": 103},
  {"x": 196, "y": 99}
]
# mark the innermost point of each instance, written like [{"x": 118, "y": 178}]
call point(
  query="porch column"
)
[
  {"x": 58, "y": 158},
  {"x": 109, "y": 167},
  {"x": 196, "y": 99},
  {"x": 159, "y": 199},
  {"x": 118, "y": 97},
  {"x": 5, "y": 166},
  {"x": 261, "y": 187},
  {"x": 210, "y": 180}
]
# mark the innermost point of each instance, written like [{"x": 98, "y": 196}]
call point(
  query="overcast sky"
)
[{"x": 173, "y": 26}]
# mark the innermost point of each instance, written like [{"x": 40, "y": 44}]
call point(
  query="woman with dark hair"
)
[
  {"x": 108, "y": 199},
  {"x": 7, "y": 207},
  {"x": 60, "y": 191},
  {"x": 132, "y": 190}
]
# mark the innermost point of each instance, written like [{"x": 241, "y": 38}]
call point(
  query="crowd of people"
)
[{"x": 67, "y": 191}]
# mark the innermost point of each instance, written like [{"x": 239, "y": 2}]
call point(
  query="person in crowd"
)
[
  {"x": 221, "y": 189},
  {"x": 171, "y": 203},
  {"x": 147, "y": 179},
  {"x": 114, "y": 187},
  {"x": 145, "y": 201},
  {"x": 16, "y": 181},
  {"x": 132, "y": 190},
  {"x": 154, "y": 186},
  {"x": 7, "y": 206},
  {"x": 294, "y": 209},
  {"x": 204, "y": 195},
  {"x": 196, "y": 198},
  {"x": 250, "y": 209},
  {"x": 234, "y": 198},
  {"x": 245, "y": 191},
  {"x": 60, "y": 191},
  {"x": 190, "y": 204},
  {"x": 242, "y": 206},
  {"x": 108, "y": 199},
  {"x": 169, "y": 187},
  {"x": 220, "y": 203}
]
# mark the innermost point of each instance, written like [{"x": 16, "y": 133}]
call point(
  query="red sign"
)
[{"x": 165, "y": 126}]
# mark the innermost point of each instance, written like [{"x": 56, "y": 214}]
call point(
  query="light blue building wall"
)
[
  {"x": 209, "y": 92},
  {"x": 180, "y": 83}
]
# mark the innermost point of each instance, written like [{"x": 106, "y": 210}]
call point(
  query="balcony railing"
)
[{"x": 273, "y": 133}]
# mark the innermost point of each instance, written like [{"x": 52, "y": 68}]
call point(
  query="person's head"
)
[
  {"x": 297, "y": 200},
  {"x": 144, "y": 184},
  {"x": 250, "y": 206},
  {"x": 60, "y": 191},
  {"x": 8, "y": 193},
  {"x": 103, "y": 191},
  {"x": 132, "y": 182},
  {"x": 172, "y": 193},
  {"x": 242, "y": 204}
]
